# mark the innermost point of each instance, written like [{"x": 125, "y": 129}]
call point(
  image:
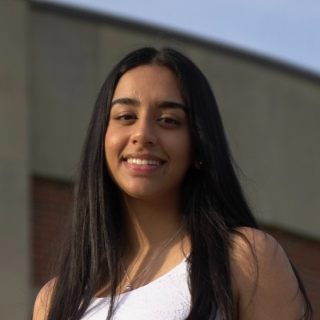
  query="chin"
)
[
  {"x": 147, "y": 189},
  {"x": 146, "y": 192},
  {"x": 141, "y": 194}
]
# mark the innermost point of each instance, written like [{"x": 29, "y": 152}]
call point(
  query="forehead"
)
[{"x": 149, "y": 81}]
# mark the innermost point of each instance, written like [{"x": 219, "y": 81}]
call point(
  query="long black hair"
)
[{"x": 213, "y": 203}]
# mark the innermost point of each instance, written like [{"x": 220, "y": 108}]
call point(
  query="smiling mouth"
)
[{"x": 143, "y": 162}]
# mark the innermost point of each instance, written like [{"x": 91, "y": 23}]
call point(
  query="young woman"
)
[{"x": 160, "y": 228}]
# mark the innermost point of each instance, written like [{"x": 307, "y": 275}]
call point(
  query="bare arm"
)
[{"x": 264, "y": 285}]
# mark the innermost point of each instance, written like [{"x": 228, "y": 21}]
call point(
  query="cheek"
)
[
  {"x": 182, "y": 148},
  {"x": 113, "y": 149},
  {"x": 112, "y": 145}
]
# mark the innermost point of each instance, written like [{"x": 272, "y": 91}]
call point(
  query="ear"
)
[{"x": 197, "y": 163}]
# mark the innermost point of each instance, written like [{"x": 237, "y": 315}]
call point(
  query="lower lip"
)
[{"x": 141, "y": 168}]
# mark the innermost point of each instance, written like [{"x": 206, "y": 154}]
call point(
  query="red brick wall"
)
[{"x": 51, "y": 204}]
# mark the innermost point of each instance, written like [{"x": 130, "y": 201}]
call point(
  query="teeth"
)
[{"x": 143, "y": 162}]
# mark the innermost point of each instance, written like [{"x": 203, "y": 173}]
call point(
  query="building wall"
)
[
  {"x": 15, "y": 279},
  {"x": 52, "y": 65},
  {"x": 270, "y": 112}
]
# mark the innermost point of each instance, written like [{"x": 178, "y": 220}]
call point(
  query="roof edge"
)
[{"x": 230, "y": 50}]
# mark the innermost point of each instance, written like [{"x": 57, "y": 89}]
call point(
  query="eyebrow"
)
[
  {"x": 128, "y": 101},
  {"x": 160, "y": 104}
]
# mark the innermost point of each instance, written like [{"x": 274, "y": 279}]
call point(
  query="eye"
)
[
  {"x": 169, "y": 121},
  {"x": 125, "y": 117}
]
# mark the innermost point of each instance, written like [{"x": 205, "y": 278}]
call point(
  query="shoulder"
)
[
  {"x": 254, "y": 253},
  {"x": 247, "y": 243},
  {"x": 42, "y": 303},
  {"x": 263, "y": 281}
]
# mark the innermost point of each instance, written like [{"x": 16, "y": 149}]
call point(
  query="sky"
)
[{"x": 285, "y": 30}]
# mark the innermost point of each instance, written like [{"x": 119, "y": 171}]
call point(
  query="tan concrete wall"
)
[
  {"x": 271, "y": 118},
  {"x": 50, "y": 74},
  {"x": 63, "y": 84},
  {"x": 270, "y": 114},
  {"x": 15, "y": 301}
]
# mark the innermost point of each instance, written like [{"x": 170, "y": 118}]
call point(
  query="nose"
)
[{"x": 144, "y": 133}]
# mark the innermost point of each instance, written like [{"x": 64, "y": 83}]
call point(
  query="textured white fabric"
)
[{"x": 166, "y": 298}]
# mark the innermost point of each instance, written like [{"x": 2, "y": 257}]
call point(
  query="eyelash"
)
[
  {"x": 165, "y": 120},
  {"x": 122, "y": 117},
  {"x": 169, "y": 121}
]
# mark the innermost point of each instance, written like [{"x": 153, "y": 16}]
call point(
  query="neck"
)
[{"x": 147, "y": 224}]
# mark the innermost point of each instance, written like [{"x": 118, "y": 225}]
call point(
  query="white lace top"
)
[{"x": 166, "y": 298}]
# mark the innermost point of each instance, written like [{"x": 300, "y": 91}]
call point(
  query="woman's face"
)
[{"x": 148, "y": 141}]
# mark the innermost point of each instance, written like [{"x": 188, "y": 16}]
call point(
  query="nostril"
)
[
  {"x": 147, "y": 142},
  {"x": 145, "y": 138}
]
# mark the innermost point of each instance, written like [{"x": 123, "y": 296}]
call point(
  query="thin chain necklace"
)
[{"x": 128, "y": 287}]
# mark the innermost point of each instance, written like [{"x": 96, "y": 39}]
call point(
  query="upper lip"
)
[{"x": 143, "y": 156}]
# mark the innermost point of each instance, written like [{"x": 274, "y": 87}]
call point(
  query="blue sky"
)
[{"x": 286, "y": 30}]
